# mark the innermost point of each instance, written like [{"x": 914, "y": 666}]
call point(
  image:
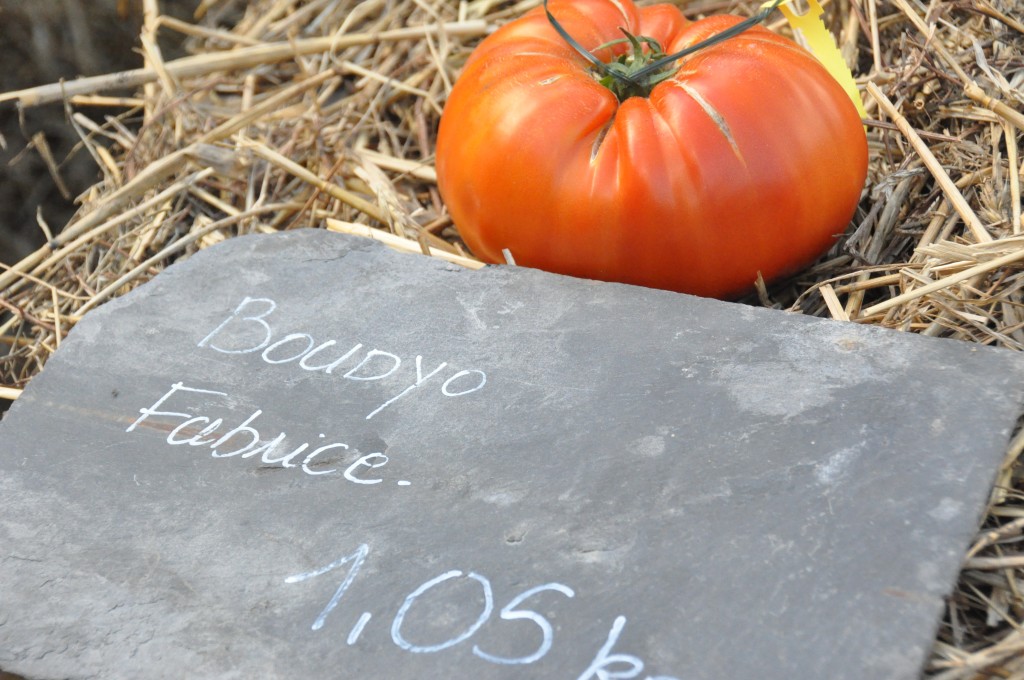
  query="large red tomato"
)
[{"x": 750, "y": 158}]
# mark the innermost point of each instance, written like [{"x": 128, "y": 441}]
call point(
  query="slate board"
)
[{"x": 600, "y": 477}]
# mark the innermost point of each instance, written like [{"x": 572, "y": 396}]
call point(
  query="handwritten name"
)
[
  {"x": 244, "y": 440},
  {"x": 248, "y": 330}
]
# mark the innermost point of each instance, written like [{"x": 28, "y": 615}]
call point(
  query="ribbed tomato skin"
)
[{"x": 751, "y": 158}]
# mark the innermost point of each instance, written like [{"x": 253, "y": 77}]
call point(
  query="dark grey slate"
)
[{"x": 599, "y": 477}]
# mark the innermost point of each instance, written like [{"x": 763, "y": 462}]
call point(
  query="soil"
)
[{"x": 45, "y": 41}]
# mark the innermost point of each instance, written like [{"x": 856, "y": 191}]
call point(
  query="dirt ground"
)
[{"x": 45, "y": 41}]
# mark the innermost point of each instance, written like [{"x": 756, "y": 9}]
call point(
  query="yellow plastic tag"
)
[{"x": 823, "y": 46}]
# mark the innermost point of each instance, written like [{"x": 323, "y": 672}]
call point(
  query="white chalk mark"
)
[{"x": 357, "y": 630}]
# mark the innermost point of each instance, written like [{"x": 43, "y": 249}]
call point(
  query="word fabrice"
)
[
  {"x": 244, "y": 440},
  {"x": 248, "y": 330}
]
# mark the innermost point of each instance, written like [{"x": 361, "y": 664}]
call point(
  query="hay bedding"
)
[{"x": 322, "y": 113}]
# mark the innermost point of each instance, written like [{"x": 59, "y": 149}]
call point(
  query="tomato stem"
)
[
  {"x": 732, "y": 32},
  {"x": 635, "y": 73}
]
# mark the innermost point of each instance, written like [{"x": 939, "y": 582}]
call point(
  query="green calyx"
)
[
  {"x": 635, "y": 74},
  {"x": 629, "y": 74}
]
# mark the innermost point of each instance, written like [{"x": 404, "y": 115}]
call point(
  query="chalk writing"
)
[
  {"x": 247, "y": 330},
  {"x": 186, "y": 416},
  {"x": 510, "y": 613},
  {"x": 245, "y": 441},
  {"x": 396, "y": 625},
  {"x": 606, "y": 664},
  {"x": 357, "y": 558},
  {"x": 357, "y": 629}
]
